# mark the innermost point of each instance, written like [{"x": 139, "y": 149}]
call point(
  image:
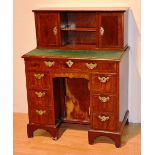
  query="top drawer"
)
[
  {"x": 72, "y": 65},
  {"x": 104, "y": 83},
  {"x": 88, "y": 65},
  {"x": 40, "y": 64}
]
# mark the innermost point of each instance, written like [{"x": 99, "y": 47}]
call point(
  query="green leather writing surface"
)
[{"x": 76, "y": 53}]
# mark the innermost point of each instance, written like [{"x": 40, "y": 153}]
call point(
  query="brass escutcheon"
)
[
  {"x": 103, "y": 118},
  {"x": 55, "y": 30},
  {"x": 101, "y": 31},
  {"x": 103, "y": 79},
  {"x": 49, "y": 63},
  {"x": 40, "y": 94},
  {"x": 104, "y": 99},
  {"x": 38, "y": 76},
  {"x": 40, "y": 112},
  {"x": 69, "y": 63},
  {"x": 91, "y": 65}
]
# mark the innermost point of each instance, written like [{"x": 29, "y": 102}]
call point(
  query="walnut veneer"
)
[{"x": 79, "y": 72}]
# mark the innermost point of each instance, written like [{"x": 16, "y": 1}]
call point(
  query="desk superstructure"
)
[{"x": 79, "y": 72}]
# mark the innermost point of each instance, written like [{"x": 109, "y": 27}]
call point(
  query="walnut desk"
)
[{"x": 77, "y": 86}]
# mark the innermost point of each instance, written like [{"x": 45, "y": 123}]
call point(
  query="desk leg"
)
[
  {"x": 49, "y": 128},
  {"x": 115, "y": 136}
]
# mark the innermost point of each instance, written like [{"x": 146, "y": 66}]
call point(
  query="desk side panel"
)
[{"x": 123, "y": 85}]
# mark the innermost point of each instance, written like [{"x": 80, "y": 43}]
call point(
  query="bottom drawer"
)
[
  {"x": 41, "y": 116},
  {"x": 104, "y": 121}
]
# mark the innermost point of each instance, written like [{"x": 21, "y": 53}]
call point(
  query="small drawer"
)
[
  {"x": 41, "y": 64},
  {"x": 104, "y": 83},
  {"x": 41, "y": 116},
  {"x": 104, "y": 121},
  {"x": 96, "y": 65},
  {"x": 33, "y": 64},
  {"x": 39, "y": 80},
  {"x": 104, "y": 103},
  {"x": 70, "y": 65},
  {"x": 39, "y": 98}
]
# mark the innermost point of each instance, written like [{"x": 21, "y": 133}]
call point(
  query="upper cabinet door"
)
[
  {"x": 110, "y": 30},
  {"x": 47, "y": 29}
]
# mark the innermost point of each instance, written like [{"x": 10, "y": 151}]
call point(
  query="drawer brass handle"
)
[
  {"x": 55, "y": 30},
  {"x": 103, "y": 118},
  {"x": 40, "y": 112},
  {"x": 104, "y": 99},
  {"x": 38, "y": 76},
  {"x": 69, "y": 63},
  {"x": 40, "y": 94},
  {"x": 49, "y": 63},
  {"x": 91, "y": 65},
  {"x": 103, "y": 79},
  {"x": 101, "y": 31}
]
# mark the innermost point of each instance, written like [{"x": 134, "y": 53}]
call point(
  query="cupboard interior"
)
[{"x": 72, "y": 99}]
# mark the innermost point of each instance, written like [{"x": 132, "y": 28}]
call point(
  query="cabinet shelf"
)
[{"x": 79, "y": 29}]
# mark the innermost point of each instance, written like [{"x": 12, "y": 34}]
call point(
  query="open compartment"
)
[{"x": 78, "y": 29}]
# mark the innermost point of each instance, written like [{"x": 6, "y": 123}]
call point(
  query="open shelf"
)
[{"x": 79, "y": 29}]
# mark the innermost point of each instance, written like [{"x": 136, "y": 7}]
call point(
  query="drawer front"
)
[
  {"x": 41, "y": 65},
  {"x": 104, "y": 103},
  {"x": 41, "y": 116},
  {"x": 87, "y": 66},
  {"x": 96, "y": 66},
  {"x": 104, "y": 121},
  {"x": 71, "y": 65},
  {"x": 39, "y": 98},
  {"x": 39, "y": 80},
  {"x": 104, "y": 83}
]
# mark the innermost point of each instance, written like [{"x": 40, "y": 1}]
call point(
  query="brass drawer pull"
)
[
  {"x": 69, "y": 63},
  {"x": 40, "y": 94},
  {"x": 55, "y": 30},
  {"x": 91, "y": 65},
  {"x": 38, "y": 76},
  {"x": 49, "y": 63},
  {"x": 40, "y": 112},
  {"x": 104, "y": 99},
  {"x": 103, "y": 79},
  {"x": 101, "y": 31},
  {"x": 103, "y": 118}
]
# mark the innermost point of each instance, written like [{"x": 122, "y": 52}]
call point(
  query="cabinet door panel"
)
[
  {"x": 47, "y": 29},
  {"x": 110, "y": 30}
]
